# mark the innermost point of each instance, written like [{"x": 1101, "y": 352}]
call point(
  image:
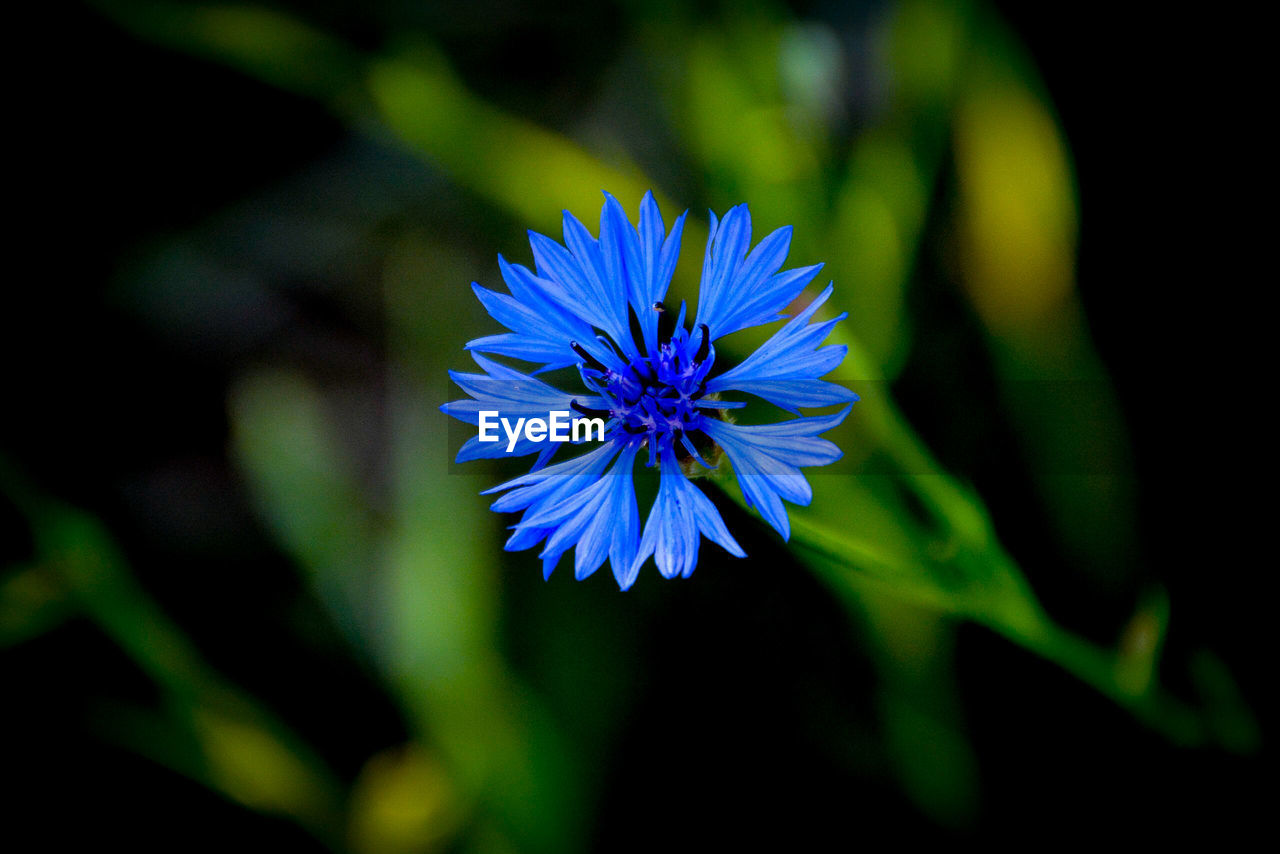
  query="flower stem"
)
[{"x": 976, "y": 579}]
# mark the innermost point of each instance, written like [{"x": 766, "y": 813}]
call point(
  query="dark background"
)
[{"x": 752, "y": 711}]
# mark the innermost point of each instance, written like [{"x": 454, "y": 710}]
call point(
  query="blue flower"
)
[{"x": 597, "y": 305}]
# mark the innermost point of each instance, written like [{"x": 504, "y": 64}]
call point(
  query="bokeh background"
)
[{"x": 245, "y": 597}]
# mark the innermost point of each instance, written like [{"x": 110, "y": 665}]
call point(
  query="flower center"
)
[{"x": 654, "y": 398}]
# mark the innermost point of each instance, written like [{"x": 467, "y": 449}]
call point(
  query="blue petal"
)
[
  {"x": 680, "y": 513},
  {"x": 552, "y": 483},
  {"x": 608, "y": 294},
  {"x": 666, "y": 263},
  {"x": 543, "y": 332},
  {"x": 785, "y": 369},
  {"x": 726, "y": 247},
  {"x": 767, "y": 301},
  {"x": 587, "y": 296},
  {"x": 792, "y": 395},
  {"x": 625, "y": 265},
  {"x": 740, "y": 290},
  {"x": 512, "y": 395},
  {"x": 600, "y": 521},
  {"x": 767, "y": 459},
  {"x": 550, "y": 355}
]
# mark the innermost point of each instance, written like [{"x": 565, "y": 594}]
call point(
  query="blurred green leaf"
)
[
  {"x": 209, "y": 730},
  {"x": 402, "y": 803},
  {"x": 526, "y": 170},
  {"x": 919, "y": 706},
  {"x": 1016, "y": 222},
  {"x": 313, "y": 504},
  {"x": 256, "y": 40},
  {"x": 430, "y": 596},
  {"x": 1228, "y": 714},
  {"x": 32, "y": 601},
  {"x": 733, "y": 108}
]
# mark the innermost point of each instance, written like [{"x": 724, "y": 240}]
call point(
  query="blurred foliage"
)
[{"x": 860, "y": 128}]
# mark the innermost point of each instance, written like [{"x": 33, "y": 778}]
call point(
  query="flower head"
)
[{"x": 653, "y": 380}]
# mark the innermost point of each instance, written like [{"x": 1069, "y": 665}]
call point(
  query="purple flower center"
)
[{"x": 654, "y": 397}]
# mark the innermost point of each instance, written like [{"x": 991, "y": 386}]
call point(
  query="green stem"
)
[
  {"x": 1099, "y": 668},
  {"x": 1033, "y": 629},
  {"x": 996, "y": 595}
]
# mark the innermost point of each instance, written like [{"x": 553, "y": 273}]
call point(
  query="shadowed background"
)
[{"x": 245, "y": 596}]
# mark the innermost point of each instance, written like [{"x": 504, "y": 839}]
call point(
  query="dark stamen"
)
[
  {"x": 666, "y": 323},
  {"x": 637, "y": 333},
  {"x": 702, "y": 443},
  {"x": 592, "y": 361},
  {"x": 617, "y": 351},
  {"x": 590, "y": 413},
  {"x": 705, "y": 347}
]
